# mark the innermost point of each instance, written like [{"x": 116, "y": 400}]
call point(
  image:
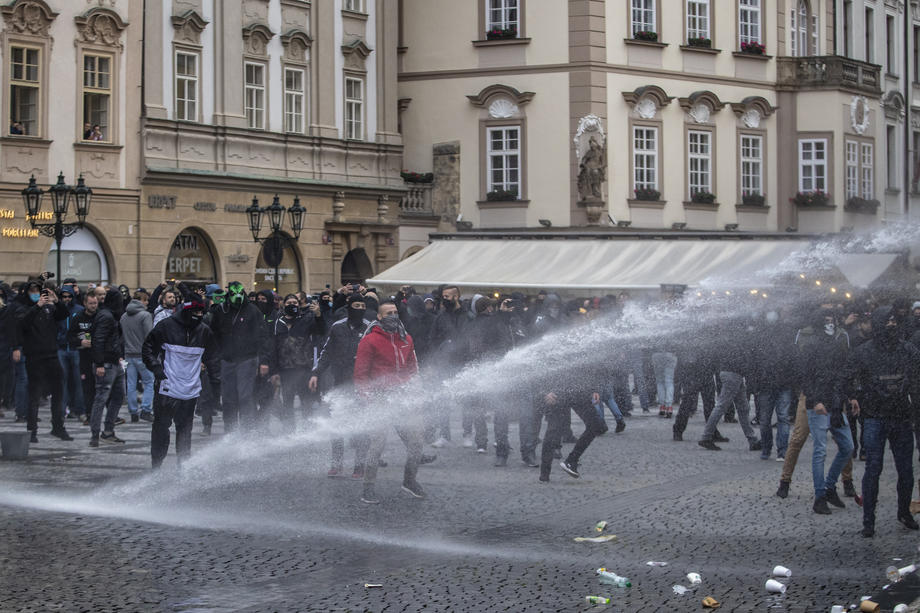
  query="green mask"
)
[
  {"x": 236, "y": 295},
  {"x": 218, "y": 297}
]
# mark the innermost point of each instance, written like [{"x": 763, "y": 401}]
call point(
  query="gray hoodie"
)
[{"x": 136, "y": 324}]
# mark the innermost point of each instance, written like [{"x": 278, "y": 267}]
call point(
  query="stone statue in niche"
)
[{"x": 591, "y": 151}]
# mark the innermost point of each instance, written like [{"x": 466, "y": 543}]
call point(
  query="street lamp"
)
[
  {"x": 273, "y": 244},
  {"x": 61, "y": 194}
]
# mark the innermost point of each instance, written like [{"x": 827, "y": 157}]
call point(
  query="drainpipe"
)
[
  {"x": 907, "y": 104},
  {"x": 143, "y": 119}
]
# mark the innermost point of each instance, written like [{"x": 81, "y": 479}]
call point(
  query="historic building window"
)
[
  {"x": 97, "y": 97},
  {"x": 812, "y": 164},
  {"x": 25, "y": 90},
  {"x": 503, "y": 15},
  {"x": 870, "y": 35},
  {"x": 751, "y": 165},
  {"x": 354, "y": 108},
  {"x": 643, "y": 16},
  {"x": 866, "y": 171},
  {"x": 699, "y": 162},
  {"x": 645, "y": 160},
  {"x": 187, "y": 86},
  {"x": 254, "y": 91},
  {"x": 803, "y": 30},
  {"x": 891, "y": 143},
  {"x": 504, "y": 161},
  {"x": 891, "y": 46},
  {"x": 293, "y": 100},
  {"x": 356, "y": 6},
  {"x": 852, "y": 173},
  {"x": 749, "y": 22},
  {"x": 698, "y": 26}
]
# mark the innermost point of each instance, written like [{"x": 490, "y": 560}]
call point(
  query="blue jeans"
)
[
  {"x": 900, "y": 437},
  {"x": 732, "y": 393},
  {"x": 21, "y": 389},
  {"x": 768, "y": 402},
  {"x": 136, "y": 367},
  {"x": 110, "y": 393},
  {"x": 73, "y": 385},
  {"x": 635, "y": 364},
  {"x": 819, "y": 425},
  {"x": 664, "y": 365},
  {"x": 607, "y": 397}
]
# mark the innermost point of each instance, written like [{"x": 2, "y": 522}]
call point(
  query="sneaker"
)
[
  {"x": 783, "y": 490},
  {"x": 780, "y": 458},
  {"x": 908, "y": 521},
  {"x": 382, "y": 463},
  {"x": 755, "y": 422},
  {"x": 148, "y": 416},
  {"x": 110, "y": 438},
  {"x": 544, "y": 478},
  {"x": 621, "y": 425},
  {"x": 501, "y": 461},
  {"x": 480, "y": 450},
  {"x": 206, "y": 429},
  {"x": 711, "y": 446},
  {"x": 34, "y": 437},
  {"x": 467, "y": 441},
  {"x": 820, "y": 506},
  {"x": 848, "y": 490},
  {"x": 440, "y": 442},
  {"x": 85, "y": 420},
  {"x": 119, "y": 421},
  {"x": 335, "y": 471},
  {"x": 530, "y": 459},
  {"x": 833, "y": 498},
  {"x": 868, "y": 532},
  {"x": 427, "y": 459},
  {"x": 135, "y": 418},
  {"x": 718, "y": 438},
  {"x": 755, "y": 446},
  {"x": 678, "y": 437},
  {"x": 661, "y": 411},
  {"x": 764, "y": 457},
  {"x": 570, "y": 468},
  {"x": 368, "y": 496},
  {"x": 62, "y": 434},
  {"x": 94, "y": 442},
  {"x": 358, "y": 472},
  {"x": 413, "y": 489}
]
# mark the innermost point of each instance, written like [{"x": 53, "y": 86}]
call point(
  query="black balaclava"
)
[
  {"x": 883, "y": 334},
  {"x": 355, "y": 316},
  {"x": 192, "y": 312},
  {"x": 415, "y": 305},
  {"x": 292, "y": 310}
]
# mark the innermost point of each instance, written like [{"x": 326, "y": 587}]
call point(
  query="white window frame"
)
[
  {"x": 645, "y": 158},
  {"x": 98, "y": 82},
  {"x": 867, "y": 171},
  {"x": 798, "y": 29},
  {"x": 503, "y": 14},
  {"x": 750, "y": 22},
  {"x": 355, "y": 6},
  {"x": 186, "y": 109},
  {"x": 751, "y": 152},
  {"x": 295, "y": 101},
  {"x": 809, "y": 158},
  {"x": 642, "y": 16},
  {"x": 254, "y": 101},
  {"x": 699, "y": 162},
  {"x": 852, "y": 165},
  {"x": 26, "y": 83},
  {"x": 354, "y": 109},
  {"x": 509, "y": 155},
  {"x": 699, "y": 19}
]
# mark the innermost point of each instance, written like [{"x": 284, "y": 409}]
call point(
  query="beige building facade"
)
[{"x": 648, "y": 114}]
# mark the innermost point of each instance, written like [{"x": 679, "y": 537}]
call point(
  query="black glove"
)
[{"x": 837, "y": 418}]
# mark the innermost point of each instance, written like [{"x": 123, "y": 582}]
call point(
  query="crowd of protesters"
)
[{"x": 848, "y": 368}]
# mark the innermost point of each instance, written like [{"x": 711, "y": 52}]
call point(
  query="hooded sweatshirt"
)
[{"x": 136, "y": 324}]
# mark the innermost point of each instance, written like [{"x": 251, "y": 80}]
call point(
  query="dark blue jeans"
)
[
  {"x": 72, "y": 385},
  {"x": 900, "y": 436},
  {"x": 768, "y": 402}
]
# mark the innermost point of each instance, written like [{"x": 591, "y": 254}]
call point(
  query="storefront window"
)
[
  {"x": 82, "y": 258},
  {"x": 289, "y": 274},
  {"x": 190, "y": 258}
]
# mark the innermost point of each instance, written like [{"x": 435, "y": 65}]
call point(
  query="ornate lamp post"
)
[
  {"x": 274, "y": 243},
  {"x": 61, "y": 194}
]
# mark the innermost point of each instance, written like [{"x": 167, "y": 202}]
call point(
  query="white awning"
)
[{"x": 587, "y": 264}]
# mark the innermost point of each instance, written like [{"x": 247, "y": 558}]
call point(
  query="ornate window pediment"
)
[
  {"x": 355, "y": 53},
  {"x": 28, "y": 17},
  {"x": 296, "y": 42},
  {"x": 647, "y": 100},
  {"x": 752, "y": 110},
  {"x": 500, "y": 96},
  {"x": 893, "y": 103},
  {"x": 101, "y": 26},
  {"x": 189, "y": 26},
  {"x": 256, "y": 37},
  {"x": 701, "y": 105}
]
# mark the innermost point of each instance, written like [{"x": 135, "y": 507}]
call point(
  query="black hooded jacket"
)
[
  {"x": 173, "y": 332},
  {"x": 37, "y": 329},
  {"x": 293, "y": 347},
  {"x": 107, "y": 345},
  {"x": 240, "y": 332},
  {"x": 886, "y": 373},
  {"x": 339, "y": 351},
  {"x": 821, "y": 361}
]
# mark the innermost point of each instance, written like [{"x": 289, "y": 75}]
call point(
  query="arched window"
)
[
  {"x": 803, "y": 30},
  {"x": 191, "y": 258}
]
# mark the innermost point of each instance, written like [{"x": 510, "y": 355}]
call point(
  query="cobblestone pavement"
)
[{"x": 257, "y": 526}]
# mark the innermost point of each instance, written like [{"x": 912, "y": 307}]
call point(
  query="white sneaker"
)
[
  {"x": 467, "y": 441},
  {"x": 440, "y": 442},
  {"x": 481, "y": 450}
]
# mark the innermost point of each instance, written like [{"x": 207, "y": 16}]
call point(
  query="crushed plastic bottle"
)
[
  {"x": 604, "y": 538},
  {"x": 596, "y": 600},
  {"x": 601, "y": 526},
  {"x": 694, "y": 578},
  {"x": 680, "y": 590},
  {"x": 653, "y": 563},
  {"x": 611, "y": 578}
]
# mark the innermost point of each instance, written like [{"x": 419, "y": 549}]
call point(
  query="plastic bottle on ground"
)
[
  {"x": 611, "y": 578},
  {"x": 596, "y": 600}
]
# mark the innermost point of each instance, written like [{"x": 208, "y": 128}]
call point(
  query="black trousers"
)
[
  {"x": 556, "y": 426},
  {"x": 45, "y": 374},
  {"x": 168, "y": 411},
  {"x": 294, "y": 383},
  {"x": 694, "y": 382}
]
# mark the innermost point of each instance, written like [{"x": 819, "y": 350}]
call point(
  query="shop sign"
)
[
  {"x": 14, "y": 232},
  {"x": 161, "y": 202},
  {"x": 235, "y": 208},
  {"x": 205, "y": 206},
  {"x": 190, "y": 258}
]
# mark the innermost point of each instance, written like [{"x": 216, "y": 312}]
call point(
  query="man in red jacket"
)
[{"x": 385, "y": 360}]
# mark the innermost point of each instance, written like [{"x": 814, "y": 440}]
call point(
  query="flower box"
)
[
  {"x": 646, "y": 35},
  {"x": 815, "y": 198},
  {"x": 501, "y": 33},
  {"x": 647, "y": 193},
  {"x": 501, "y": 195},
  {"x": 861, "y": 205},
  {"x": 753, "y": 199},
  {"x": 705, "y": 43},
  {"x": 417, "y": 177},
  {"x": 753, "y": 48},
  {"x": 702, "y": 197}
]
